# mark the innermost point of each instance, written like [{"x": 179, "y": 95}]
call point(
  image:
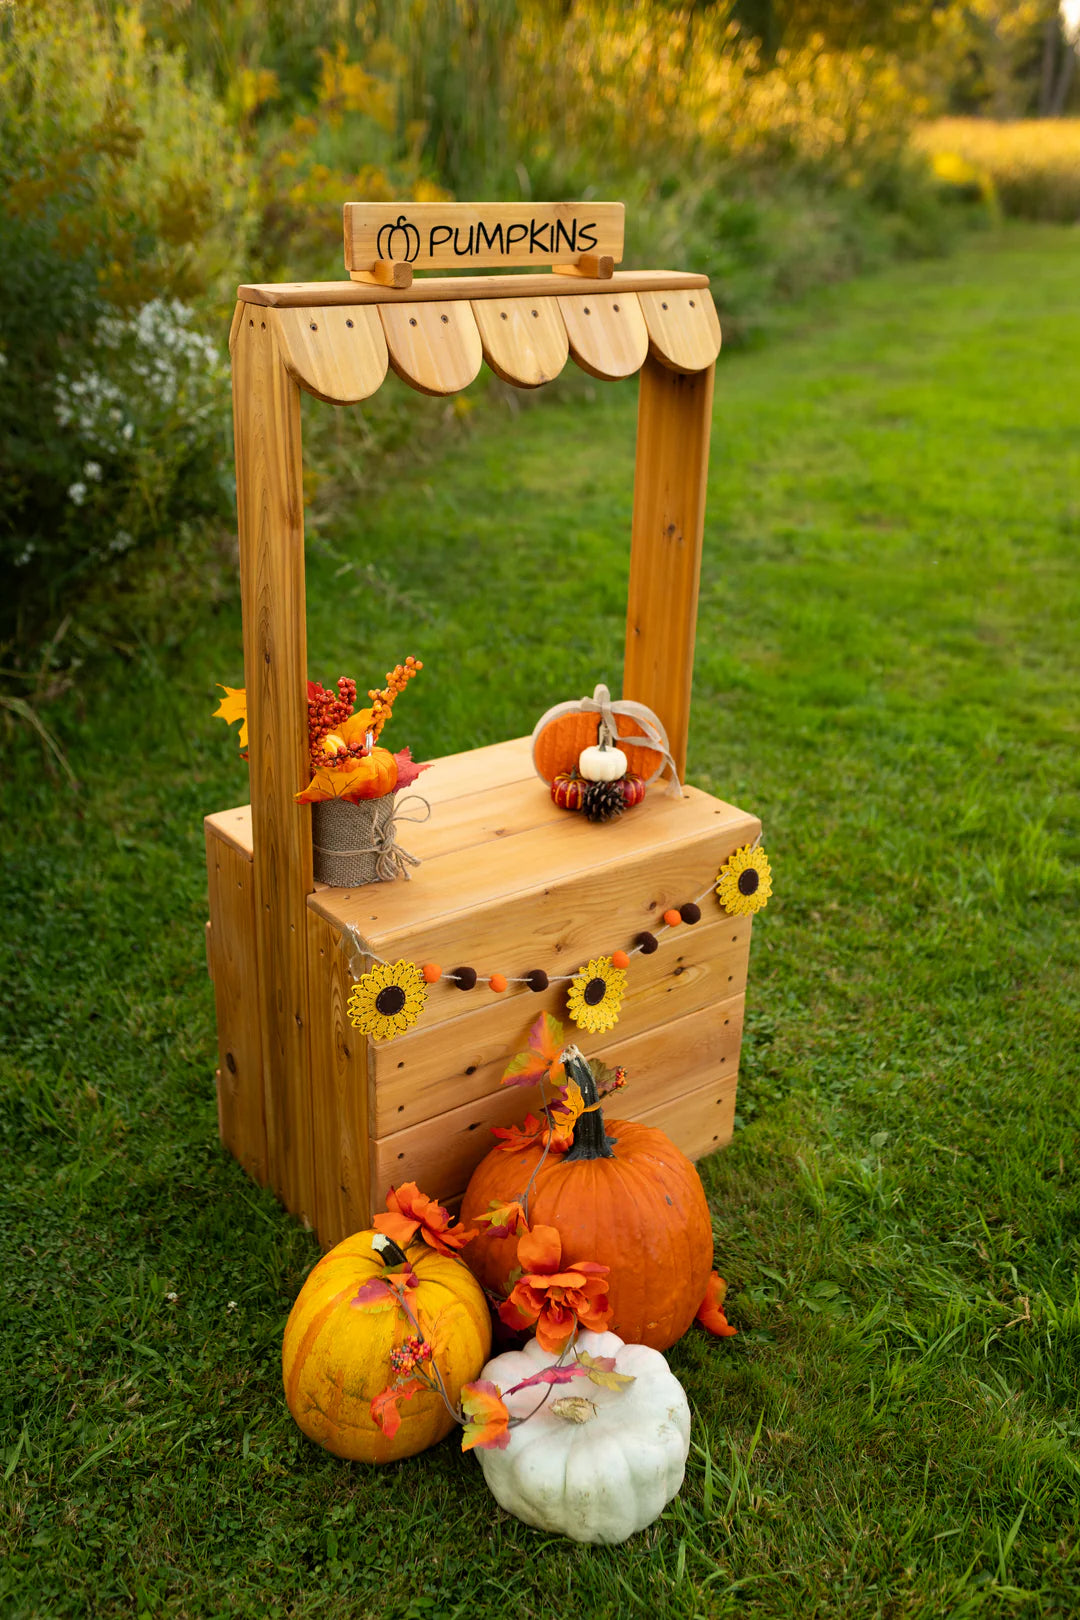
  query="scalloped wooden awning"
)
[{"x": 338, "y": 339}]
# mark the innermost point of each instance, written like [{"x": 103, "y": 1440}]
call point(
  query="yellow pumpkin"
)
[{"x": 335, "y": 1357}]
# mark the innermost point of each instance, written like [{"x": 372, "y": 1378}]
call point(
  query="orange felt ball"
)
[
  {"x": 432, "y": 972},
  {"x": 672, "y": 919},
  {"x": 620, "y": 959},
  {"x": 497, "y": 982}
]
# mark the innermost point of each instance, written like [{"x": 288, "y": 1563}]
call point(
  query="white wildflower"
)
[
  {"x": 92, "y": 470},
  {"x": 77, "y": 493}
]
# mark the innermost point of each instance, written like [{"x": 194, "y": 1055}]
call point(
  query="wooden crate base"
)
[{"x": 508, "y": 883}]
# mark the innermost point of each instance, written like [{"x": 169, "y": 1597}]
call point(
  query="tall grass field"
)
[
  {"x": 887, "y": 673},
  {"x": 1030, "y": 166}
]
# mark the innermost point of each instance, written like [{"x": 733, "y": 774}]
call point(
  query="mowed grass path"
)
[{"x": 887, "y": 672}]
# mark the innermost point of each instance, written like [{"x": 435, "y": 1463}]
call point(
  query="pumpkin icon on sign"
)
[{"x": 399, "y": 243}]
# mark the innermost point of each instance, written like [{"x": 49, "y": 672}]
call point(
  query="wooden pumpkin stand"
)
[{"x": 325, "y": 1116}]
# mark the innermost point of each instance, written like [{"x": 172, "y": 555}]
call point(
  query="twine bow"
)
[
  {"x": 391, "y": 861},
  {"x": 654, "y": 735}
]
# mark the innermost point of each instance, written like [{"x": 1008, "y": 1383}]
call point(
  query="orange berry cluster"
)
[
  {"x": 410, "y": 1354},
  {"x": 397, "y": 679},
  {"x": 325, "y": 714}
]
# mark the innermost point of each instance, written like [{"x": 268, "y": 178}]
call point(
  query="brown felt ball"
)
[
  {"x": 648, "y": 944},
  {"x": 690, "y": 913},
  {"x": 537, "y": 980},
  {"x": 464, "y": 978}
]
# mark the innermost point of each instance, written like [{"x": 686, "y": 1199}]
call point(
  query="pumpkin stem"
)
[
  {"x": 388, "y": 1251},
  {"x": 590, "y": 1139}
]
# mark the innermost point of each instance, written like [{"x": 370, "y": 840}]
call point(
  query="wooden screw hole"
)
[
  {"x": 412, "y": 320},
  {"x": 535, "y": 313},
  {"x": 401, "y": 1065},
  {"x": 692, "y": 304},
  {"x": 445, "y": 319},
  {"x": 588, "y": 311},
  {"x": 401, "y": 1155},
  {"x": 251, "y": 323},
  {"x": 503, "y": 315},
  {"x": 471, "y": 1069},
  {"x": 401, "y": 1108},
  {"x": 615, "y": 307},
  {"x": 314, "y": 326},
  {"x": 663, "y": 306},
  {"x": 730, "y": 977},
  {"x": 263, "y": 325},
  {"x": 348, "y": 323}
]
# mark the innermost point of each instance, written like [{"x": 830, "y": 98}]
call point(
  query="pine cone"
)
[{"x": 602, "y": 801}]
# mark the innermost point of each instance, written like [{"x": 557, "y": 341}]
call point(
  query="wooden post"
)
[
  {"x": 269, "y": 498},
  {"x": 674, "y": 421}
]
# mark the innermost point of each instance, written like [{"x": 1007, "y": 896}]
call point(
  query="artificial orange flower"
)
[
  {"x": 487, "y": 1422},
  {"x": 409, "y": 1211},
  {"x": 556, "y": 1300},
  {"x": 710, "y": 1312}
]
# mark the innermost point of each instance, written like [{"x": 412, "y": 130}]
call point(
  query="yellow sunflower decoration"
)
[
  {"x": 594, "y": 999},
  {"x": 744, "y": 882},
  {"x": 387, "y": 1000}
]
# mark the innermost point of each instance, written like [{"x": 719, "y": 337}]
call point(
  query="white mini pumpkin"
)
[
  {"x": 602, "y": 764},
  {"x": 597, "y": 1476}
]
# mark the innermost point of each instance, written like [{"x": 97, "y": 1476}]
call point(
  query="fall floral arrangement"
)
[
  {"x": 353, "y": 778},
  {"x": 343, "y": 741},
  {"x": 583, "y": 1430}
]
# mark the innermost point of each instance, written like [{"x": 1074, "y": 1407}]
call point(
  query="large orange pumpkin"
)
[
  {"x": 335, "y": 1358},
  {"x": 623, "y": 1195}
]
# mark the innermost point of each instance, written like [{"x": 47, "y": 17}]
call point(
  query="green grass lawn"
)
[{"x": 887, "y": 673}]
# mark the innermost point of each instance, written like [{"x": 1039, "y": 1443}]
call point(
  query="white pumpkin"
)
[
  {"x": 600, "y": 764},
  {"x": 595, "y": 1475}
]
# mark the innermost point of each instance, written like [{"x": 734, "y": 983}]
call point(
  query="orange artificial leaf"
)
[
  {"x": 233, "y": 707},
  {"x": 503, "y": 1220},
  {"x": 370, "y": 778},
  {"x": 409, "y": 1211},
  {"x": 710, "y": 1312},
  {"x": 541, "y": 1060},
  {"x": 355, "y": 727},
  {"x": 527, "y": 1134},
  {"x": 384, "y": 1408},
  {"x": 487, "y": 1422}
]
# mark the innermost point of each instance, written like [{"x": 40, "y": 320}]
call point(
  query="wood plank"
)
[
  {"x": 607, "y": 333},
  {"x": 524, "y": 339},
  {"x": 337, "y": 354},
  {"x": 494, "y": 766},
  {"x": 234, "y": 826},
  {"x": 556, "y": 895},
  {"x": 269, "y": 498},
  {"x": 434, "y": 350},
  {"x": 289, "y": 294},
  {"x": 452, "y": 1057},
  {"x": 470, "y": 235},
  {"x": 234, "y": 970},
  {"x": 340, "y": 1094},
  {"x": 663, "y": 1063},
  {"x": 684, "y": 329},
  {"x": 700, "y": 1121},
  {"x": 674, "y": 422}
]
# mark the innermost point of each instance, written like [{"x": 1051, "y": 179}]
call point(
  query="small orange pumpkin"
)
[
  {"x": 567, "y": 791},
  {"x": 623, "y": 1195},
  {"x": 335, "y": 1357}
]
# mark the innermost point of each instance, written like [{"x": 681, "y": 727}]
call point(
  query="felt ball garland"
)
[{"x": 742, "y": 886}]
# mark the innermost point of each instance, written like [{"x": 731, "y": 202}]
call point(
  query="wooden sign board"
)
[{"x": 471, "y": 236}]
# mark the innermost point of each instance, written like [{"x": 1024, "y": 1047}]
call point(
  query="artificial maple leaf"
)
[
  {"x": 527, "y": 1134},
  {"x": 487, "y": 1422},
  {"x": 407, "y": 768},
  {"x": 551, "y": 1375},
  {"x": 384, "y": 1408},
  {"x": 555, "y": 1300},
  {"x": 503, "y": 1220},
  {"x": 380, "y": 1289},
  {"x": 409, "y": 1211},
  {"x": 710, "y": 1312},
  {"x": 233, "y": 707},
  {"x": 601, "y": 1370},
  {"x": 541, "y": 1059}
]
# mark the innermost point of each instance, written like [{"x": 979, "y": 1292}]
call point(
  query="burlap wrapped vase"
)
[{"x": 354, "y": 844}]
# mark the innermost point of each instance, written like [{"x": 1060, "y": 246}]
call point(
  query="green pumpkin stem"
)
[{"x": 590, "y": 1139}]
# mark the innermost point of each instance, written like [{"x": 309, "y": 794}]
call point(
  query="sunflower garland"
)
[
  {"x": 389, "y": 998},
  {"x": 594, "y": 999},
  {"x": 744, "y": 882}
]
